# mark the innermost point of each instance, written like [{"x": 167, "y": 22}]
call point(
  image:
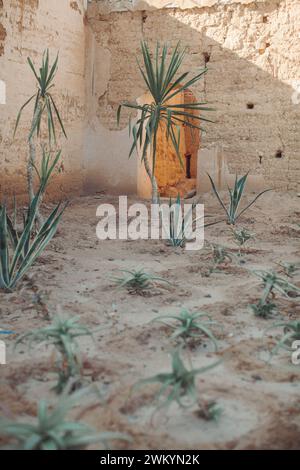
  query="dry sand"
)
[{"x": 260, "y": 400}]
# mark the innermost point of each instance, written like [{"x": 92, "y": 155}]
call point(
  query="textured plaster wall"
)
[
  {"x": 252, "y": 50},
  {"x": 27, "y": 27}
]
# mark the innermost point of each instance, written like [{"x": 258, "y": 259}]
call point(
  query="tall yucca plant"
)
[
  {"x": 44, "y": 107},
  {"x": 164, "y": 83}
]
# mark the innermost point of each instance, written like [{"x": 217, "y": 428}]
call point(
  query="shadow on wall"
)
[{"x": 252, "y": 65}]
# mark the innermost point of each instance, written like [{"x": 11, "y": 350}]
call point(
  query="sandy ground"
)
[{"x": 260, "y": 399}]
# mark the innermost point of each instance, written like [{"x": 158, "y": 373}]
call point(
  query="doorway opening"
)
[{"x": 172, "y": 177}]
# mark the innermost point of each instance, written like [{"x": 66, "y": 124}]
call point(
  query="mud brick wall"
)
[
  {"x": 252, "y": 50},
  {"x": 27, "y": 28}
]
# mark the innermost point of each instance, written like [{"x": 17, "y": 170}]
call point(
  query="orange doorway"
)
[{"x": 172, "y": 177}]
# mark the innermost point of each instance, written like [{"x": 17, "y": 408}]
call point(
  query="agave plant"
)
[
  {"x": 235, "y": 196},
  {"x": 18, "y": 251},
  {"x": 179, "y": 384},
  {"x": 175, "y": 230},
  {"x": 220, "y": 255},
  {"x": 178, "y": 229},
  {"x": 51, "y": 429},
  {"x": 264, "y": 309},
  {"x": 137, "y": 281},
  {"x": 289, "y": 269},
  {"x": 291, "y": 333},
  {"x": 164, "y": 82},
  {"x": 272, "y": 283},
  {"x": 190, "y": 325},
  {"x": 62, "y": 334},
  {"x": 241, "y": 237},
  {"x": 44, "y": 106}
]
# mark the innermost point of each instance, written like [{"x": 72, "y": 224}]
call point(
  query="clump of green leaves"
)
[
  {"x": 289, "y": 269},
  {"x": 19, "y": 250},
  {"x": 235, "y": 196},
  {"x": 44, "y": 103},
  {"x": 210, "y": 411},
  {"x": 179, "y": 384},
  {"x": 221, "y": 255},
  {"x": 175, "y": 231},
  {"x": 272, "y": 283},
  {"x": 180, "y": 225},
  {"x": 291, "y": 333},
  {"x": 264, "y": 309},
  {"x": 51, "y": 429},
  {"x": 138, "y": 281},
  {"x": 62, "y": 334},
  {"x": 241, "y": 237},
  {"x": 189, "y": 325}
]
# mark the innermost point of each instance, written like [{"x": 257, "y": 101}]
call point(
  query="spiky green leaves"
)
[
  {"x": 47, "y": 167},
  {"x": 178, "y": 385},
  {"x": 44, "y": 104},
  {"x": 137, "y": 281},
  {"x": 291, "y": 333},
  {"x": 242, "y": 236},
  {"x": 52, "y": 430},
  {"x": 272, "y": 283},
  {"x": 25, "y": 250},
  {"x": 235, "y": 195},
  {"x": 189, "y": 325},
  {"x": 62, "y": 334},
  {"x": 164, "y": 82}
]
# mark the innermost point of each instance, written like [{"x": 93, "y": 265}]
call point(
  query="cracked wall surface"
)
[
  {"x": 252, "y": 50},
  {"x": 27, "y": 28}
]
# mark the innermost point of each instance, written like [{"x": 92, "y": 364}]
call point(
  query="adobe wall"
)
[
  {"x": 252, "y": 50},
  {"x": 27, "y": 28}
]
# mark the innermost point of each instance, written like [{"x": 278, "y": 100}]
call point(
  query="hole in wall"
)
[
  {"x": 206, "y": 56},
  {"x": 265, "y": 19},
  {"x": 250, "y": 105},
  {"x": 279, "y": 154},
  {"x": 144, "y": 16},
  {"x": 260, "y": 159}
]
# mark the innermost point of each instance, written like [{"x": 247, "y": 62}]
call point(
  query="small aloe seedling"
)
[
  {"x": 179, "y": 384},
  {"x": 264, "y": 309},
  {"x": 51, "y": 429},
  {"x": 241, "y": 237},
  {"x": 291, "y": 333},
  {"x": 235, "y": 195},
  {"x": 221, "y": 255},
  {"x": 210, "y": 411},
  {"x": 190, "y": 325},
  {"x": 62, "y": 334},
  {"x": 137, "y": 282},
  {"x": 179, "y": 224},
  {"x": 272, "y": 283},
  {"x": 290, "y": 269}
]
